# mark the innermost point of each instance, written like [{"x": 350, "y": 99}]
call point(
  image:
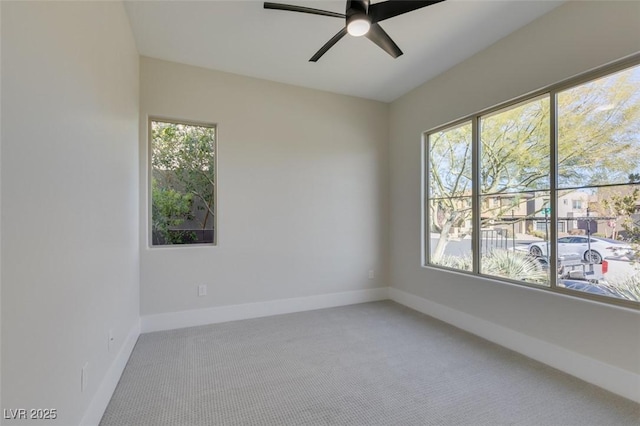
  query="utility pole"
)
[
  {"x": 547, "y": 210},
  {"x": 589, "y": 242}
]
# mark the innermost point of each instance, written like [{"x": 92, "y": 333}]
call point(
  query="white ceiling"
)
[{"x": 242, "y": 37}]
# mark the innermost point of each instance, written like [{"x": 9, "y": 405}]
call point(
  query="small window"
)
[{"x": 183, "y": 182}]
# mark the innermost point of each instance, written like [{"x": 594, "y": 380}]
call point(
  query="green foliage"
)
[
  {"x": 629, "y": 288},
  {"x": 624, "y": 205},
  {"x": 457, "y": 262},
  {"x": 501, "y": 263},
  {"x": 598, "y": 129},
  {"x": 515, "y": 149},
  {"x": 539, "y": 234},
  {"x": 450, "y": 159},
  {"x": 170, "y": 209},
  {"x": 513, "y": 265},
  {"x": 449, "y": 181},
  {"x": 183, "y": 161}
]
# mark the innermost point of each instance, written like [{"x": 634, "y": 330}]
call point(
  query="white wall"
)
[
  {"x": 70, "y": 200},
  {"x": 302, "y": 191},
  {"x": 571, "y": 39}
]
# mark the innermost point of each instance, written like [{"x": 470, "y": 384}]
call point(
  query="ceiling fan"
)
[{"x": 361, "y": 20}]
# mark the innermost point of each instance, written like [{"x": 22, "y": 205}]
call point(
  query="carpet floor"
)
[{"x": 369, "y": 364}]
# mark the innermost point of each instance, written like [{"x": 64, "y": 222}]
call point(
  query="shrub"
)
[
  {"x": 513, "y": 265},
  {"x": 539, "y": 234},
  {"x": 464, "y": 262},
  {"x": 501, "y": 263},
  {"x": 629, "y": 288}
]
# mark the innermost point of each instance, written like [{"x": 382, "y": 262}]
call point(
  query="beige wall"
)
[
  {"x": 302, "y": 191},
  {"x": 573, "y": 38},
  {"x": 69, "y": 154}
]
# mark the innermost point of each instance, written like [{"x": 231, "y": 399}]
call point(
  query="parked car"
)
[
  {"x": 586, "y": 286},
  {"x": 601, "y": 248}
]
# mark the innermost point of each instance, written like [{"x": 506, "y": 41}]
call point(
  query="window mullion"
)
[
  {"x": 475, "y": 193},
  {"x": 553, "y": 183},
  {"x": 426, "y": 220}
]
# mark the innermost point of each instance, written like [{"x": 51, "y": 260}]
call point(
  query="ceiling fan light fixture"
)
[
  {"x": 358, "y": 25},
  {"x": 362, "y": 19}
]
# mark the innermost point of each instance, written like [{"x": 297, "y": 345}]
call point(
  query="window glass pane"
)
[
  {"x": 182, "y": 183},
  {"x": 601, "y": 256},
  {"x": 599, "y": 160},
  {"x": 599, "y": 131},
  {"x": 514, "y": 162},
  {"x": 449, "y": 189},
  {"x": 514, "y": 148},
  {"x": 513, "y": 226},
  {"x": 450, "y": 162},
  {"x": 450, "y": 232}
]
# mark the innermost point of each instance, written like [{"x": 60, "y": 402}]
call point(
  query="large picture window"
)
[
  {"x": 545, "y": 191},
  {"x": 183, "y": 182}
]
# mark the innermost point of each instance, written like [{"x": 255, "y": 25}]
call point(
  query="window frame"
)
[
  {"x": 426, "y": 170},
  {"x": 552, "y": 91},
  {"x": 149, "y": 175}
]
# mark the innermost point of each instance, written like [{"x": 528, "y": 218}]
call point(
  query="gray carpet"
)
[{"x": 369, "y": 364}]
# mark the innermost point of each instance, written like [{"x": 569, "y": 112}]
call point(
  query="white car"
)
[{"x": 578, "y": 246}]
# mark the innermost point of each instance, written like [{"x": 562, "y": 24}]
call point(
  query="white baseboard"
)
[
  {"x": 102, "y": 397},
  {"x": 611, "y": 378},
  {"x": 173, "y": 320}
]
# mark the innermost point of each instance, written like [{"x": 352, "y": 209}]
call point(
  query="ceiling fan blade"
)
[
  {"x": 377, "y": 35},
  {"x": 388, "y": 9},
  {"x": 292, "y": 8},
  {"x": 328, "y": 45}
]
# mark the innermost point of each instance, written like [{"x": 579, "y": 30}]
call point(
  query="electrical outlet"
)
[
  {"x": 202, "y": 290},
  {"x": 372, "y": 274},
  {"x": 84, "y": 377},
  {"x": 110, "y": 340}
]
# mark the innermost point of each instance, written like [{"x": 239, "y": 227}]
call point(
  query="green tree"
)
[
  {"x": 449, "y": 181},
  {"x": 514, "y": 156},
  {"x": 170, "y": 209},
  {"x": 624, "y": 206}
]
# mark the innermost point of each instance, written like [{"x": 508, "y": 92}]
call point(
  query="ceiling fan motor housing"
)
[{"x": 358, "y": 21}]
